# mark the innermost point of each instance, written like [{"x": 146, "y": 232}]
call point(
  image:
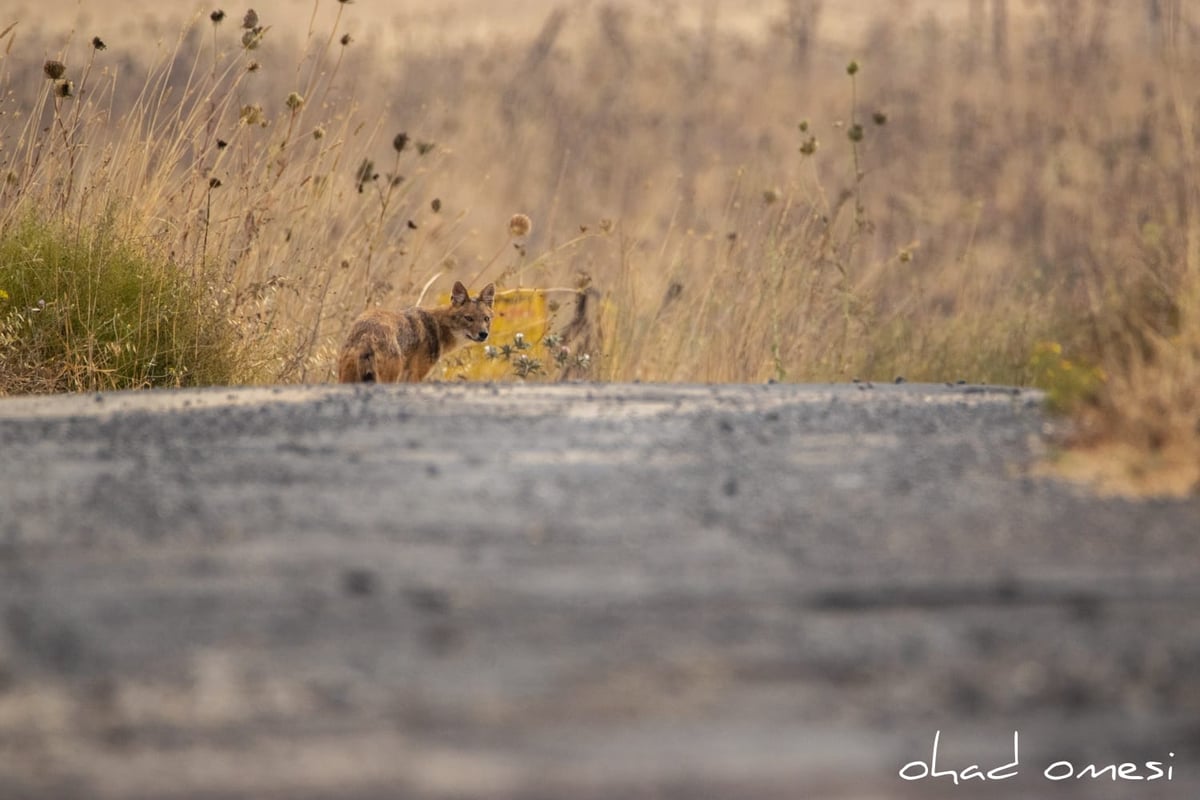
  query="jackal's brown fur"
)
[{"x": 394, "y": 346}]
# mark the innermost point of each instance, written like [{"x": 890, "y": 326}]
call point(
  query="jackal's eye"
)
[{"x": 469, "y": 319}]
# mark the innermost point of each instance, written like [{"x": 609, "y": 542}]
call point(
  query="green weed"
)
[{"x": 85, "y": 310}]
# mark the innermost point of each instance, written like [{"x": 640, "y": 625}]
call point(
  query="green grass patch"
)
[{"x": 86, "y": 309}]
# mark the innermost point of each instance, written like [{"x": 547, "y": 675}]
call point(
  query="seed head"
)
[
  {"x": 425, "y": 148},
  {"x": 253, "y": 115},
  {"x": 436, "y": 205},
  {"x": 809, "y": 146},
  {"x": 346, "y": 39},
  {"x": 217, "y": 16},
  {"x": 519, "y": 225},
  {"x": 400, "y": 142},
  {"x": 880, "y": 118},
  {"x": 250, "y": 21},
  {"x": 251, "y": 38},
  {"x": 855, "y": 133},
  {"x": 64, "y": 88},
  {"x": 803, "y": 126},
  {"x": 222, "y": 144},
  {"x": 365, "y": 174},
  {"x": 214, "y": 183},
  {"x": 770, "y": 196},
  {"x": 294, "y": 101},
  {"x": 98, "y": 43},
  {"x": 54, "y": 69},
  {"x": 852, "y": 68},
  {"x": 318, "y": 134}
]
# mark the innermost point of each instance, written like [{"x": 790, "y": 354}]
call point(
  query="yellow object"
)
[{"x": 518, "y": 311}]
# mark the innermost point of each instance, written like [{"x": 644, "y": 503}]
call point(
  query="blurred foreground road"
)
[{"x": 451, "y": 591}]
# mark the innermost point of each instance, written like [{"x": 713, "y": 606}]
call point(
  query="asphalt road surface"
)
[{"x": 619, "y": 591}]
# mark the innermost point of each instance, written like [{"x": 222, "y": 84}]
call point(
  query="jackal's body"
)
[{"x": 393, "y": 346}]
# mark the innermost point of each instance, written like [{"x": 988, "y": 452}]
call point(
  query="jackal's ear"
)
[
  {"x": 458, "y": 295},
  {"x": 488, "y": 294}
]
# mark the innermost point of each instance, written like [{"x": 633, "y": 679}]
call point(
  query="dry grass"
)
[{"x": 1033, "y": 183}]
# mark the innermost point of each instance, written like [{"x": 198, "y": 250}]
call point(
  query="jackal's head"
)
[{"x": 472, "y": 317}]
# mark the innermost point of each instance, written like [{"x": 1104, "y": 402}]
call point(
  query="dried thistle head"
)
[
  {"x": 295, "y": 101},
  {"x": 250, "y": 21},
  {"x": 54, "y": 69},
  {"x": 519, "y": 225},
  {"x": 400, "y": 142},
  {"x": 855, "y": 132},
  {"x": 318, "y": 134},
  {"x": 345, "y": 40},
  {"x": 852, "y": 68},
  {"x": 217, "y": 16},
  {"x": 880, "y": 118},
  {"x": 365, "y": 174},
  {"x": 98, "y": 43},
  {"x": 252, "y": 115},
  {"x": 64, "y": 88}
]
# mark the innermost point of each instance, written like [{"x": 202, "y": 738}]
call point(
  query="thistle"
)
[{"x": 519, "y": 225}]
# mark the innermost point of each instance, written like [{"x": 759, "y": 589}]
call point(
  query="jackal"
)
[{"x": 390, "y": 346}]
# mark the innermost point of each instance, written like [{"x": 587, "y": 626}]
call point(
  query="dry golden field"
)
[{"x": 1000, "y": 192}]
